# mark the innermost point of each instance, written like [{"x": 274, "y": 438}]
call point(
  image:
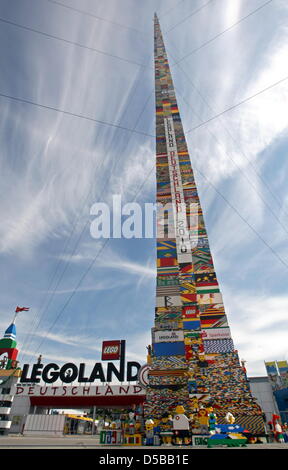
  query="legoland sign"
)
[
  {"x": 80, "y": 391},
  {"x": 70, "y": 372},
  {"x": 111, "y": 350}
]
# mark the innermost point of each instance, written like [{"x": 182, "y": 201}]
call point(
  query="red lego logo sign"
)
[{"x": 111, "y": 350}]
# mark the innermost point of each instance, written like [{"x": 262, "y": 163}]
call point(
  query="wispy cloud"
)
[
  {"x": 97, "y": 286},
  {"x": 258, "y": 324},
  {"x": 110, "y": 259},
  {"x": 136, "y": 350}
]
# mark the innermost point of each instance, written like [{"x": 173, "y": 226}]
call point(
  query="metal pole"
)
[
  {"x": 122, "y": 356},
  {"x": 93, "y": 417}
]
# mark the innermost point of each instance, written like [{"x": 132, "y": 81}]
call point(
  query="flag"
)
[
  {"x": 282, "y": 367},
  {"x": 271, "y": 368},
  {"x": 21, "y": 309}
]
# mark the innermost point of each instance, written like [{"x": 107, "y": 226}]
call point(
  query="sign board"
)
[
  {"x": 70, "y": 372},
  {"x": 271, "y": 368},
  {"x": 278, "y": 374},
  {"x": 282, "y": 367},
  {"x": 216, "y": 333},
  {"x": 200, "y": 440},
  {"x": 167, "y": 336},
  {"x": 111, "y": 350},
  {"x": 111, "y": 437},
  {"x": 80, "y": 391}
]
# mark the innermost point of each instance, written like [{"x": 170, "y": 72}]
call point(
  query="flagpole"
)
[
  {"x": 15, "y": 316},
  {"x": 19, "y": 309}
]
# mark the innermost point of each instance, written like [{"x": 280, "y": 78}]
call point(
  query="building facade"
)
[
  {"x": 278, "y": 378},
  {"x": 263, "y": 392}
]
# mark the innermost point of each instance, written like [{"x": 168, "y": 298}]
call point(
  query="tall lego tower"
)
[{"x": 193, "y": 361}]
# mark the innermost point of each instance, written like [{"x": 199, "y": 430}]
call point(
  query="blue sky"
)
[{"x": 55, "y": 165}]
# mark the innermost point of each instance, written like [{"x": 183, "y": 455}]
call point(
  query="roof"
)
[{"x": 10, "y": 332}]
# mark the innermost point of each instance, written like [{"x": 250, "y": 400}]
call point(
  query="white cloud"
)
[
  {"x": 61, "y": 155},
  {"x": 132, "y": 268},
  {"x": 259, "y": 327},
  {"x": 135, "y": 349},
  {"x": 97, "y": 286},
  {"x": 231, "y": 13},
  {"x": 137, "y": 174},
  {"x": 110, "y": 259}
]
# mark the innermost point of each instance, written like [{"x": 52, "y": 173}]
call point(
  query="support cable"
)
[
  {"x": 194, "y": 12},
  {"x": 90, "y": 266},
  {"x": 79, "y": 116},
  {"x": 87, "y": 222},
  {"x": 222, "y": 32},
  {"x": 71, "y": 43},
  {"x": 92, "y": 15},
  {"x": 249, "y": 98}
]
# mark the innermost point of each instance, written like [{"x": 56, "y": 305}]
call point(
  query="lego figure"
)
[
  {"x": 285, "y": 432},
  {"x": 112, "y": 436},
  {"x": 166, "y": 432},
  {"x": 157, "y": 431},
  {"x": 118, "y": 423},
  {"x": 149, "y": 354},
  {"x": 181, "y": 426},
  {"x": 229, "y": 418},
  {"x": 194, "y": 424},
  {"x": 212, "y": 421},
  {"x": 194, "y": 404},
  {"x": 279, "y": 432},
  {"x": 203, "y": 420},
  {"x": 126, "y": 427},
  {"x": 131, "y": 423},
  {"x": 137, "y": 426},
  {"x": 149, "y": 434}
]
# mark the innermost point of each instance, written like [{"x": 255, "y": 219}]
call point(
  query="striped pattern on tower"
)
[
  {"x": 193, "y": 354},
  {"x": 9, "y": 375},
  {"x": 9, "y": 378}
]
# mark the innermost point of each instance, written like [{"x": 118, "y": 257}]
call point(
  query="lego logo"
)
[{"x": 110, "y": 349}]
